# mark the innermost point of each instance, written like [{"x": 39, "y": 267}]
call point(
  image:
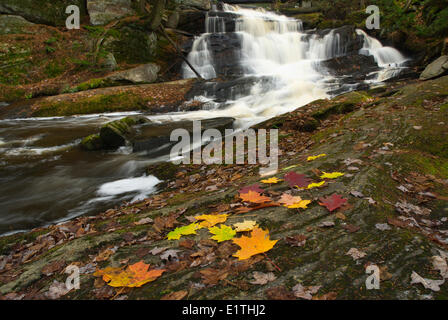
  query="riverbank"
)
[{"x": 391, "y": 145}]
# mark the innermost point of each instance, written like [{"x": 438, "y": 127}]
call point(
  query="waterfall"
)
[{"x": 275, "y": 47}]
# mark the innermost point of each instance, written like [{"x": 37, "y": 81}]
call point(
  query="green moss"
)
[{"x": 96, "y": 104}]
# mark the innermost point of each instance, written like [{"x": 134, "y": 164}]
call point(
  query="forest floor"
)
[{"x": 390, "y": 143}]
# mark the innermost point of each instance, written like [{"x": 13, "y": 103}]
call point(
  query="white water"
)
[
  {"x": 141, "y": 186},
  {"x": 276, "y": 46}
]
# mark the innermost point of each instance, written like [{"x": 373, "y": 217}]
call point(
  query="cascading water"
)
[{"x": 276, "y": 47}]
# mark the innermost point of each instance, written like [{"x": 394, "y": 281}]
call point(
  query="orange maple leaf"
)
[
  {"x": 135, "y": 275},
  {"x": 258, "y": 242},
  {"x": 254, "y": 197}
]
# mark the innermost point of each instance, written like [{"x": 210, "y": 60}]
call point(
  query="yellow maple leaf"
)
[
  {"x": 311, "y": 158},
  {"x": 209, "y": 220},
  {"x": 246, "y": 225},
  {"x": 271, "y": 180},
  {"x": 314, "y": 185},
  {"x": 332, "y": 175},
  {"x": 134, "y": 275},
  {"x": 258, "y": 242},
  {"x": 302, "y": 204}
]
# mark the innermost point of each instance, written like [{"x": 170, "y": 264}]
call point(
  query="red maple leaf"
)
[
  {"x": 332, "y": 202},
  {"x": 253, "y": 187},
  {"x": 299, "y": 180}
]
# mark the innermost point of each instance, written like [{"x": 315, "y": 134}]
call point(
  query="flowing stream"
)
[{"x": 277, "y": 65}]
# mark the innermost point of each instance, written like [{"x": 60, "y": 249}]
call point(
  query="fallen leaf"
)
[
  {"x": 305, "y": 292},
  {"x": 222, "y": 233},
  {"x": 272, "y": 180},
  {"x": 170, "y": 255},
  {"x": 296, "y": 240},
  {"x": 314, "y": 185},
  {"x": 177, "y": 295},
  {"x": 246, "y": 225},
  {"x": 434, "y": 285},
  {"x": 254, "y": 197},
  {"x": 302, "y": 205},
  {"x": 209, "y": 220},
  {"x": 57, "y": 289},
  {"x": 263, "y": 278},
  {"x": 333, "y": 202},
  {"x": 355, "y": 253},
  {"x": 213, "y": 276},
  {"x": 134, "y": 275},
  {"x": 332, "y": 175},
  {"x": 440, "y": 264},
  {"x": 288, "y": 200},
  {"x": 351, "y": 228},
  {"x": 258, "y": 242},
  {"x": 311, "y": 158},
  {"x": 254, "y": 187},
  {"x": 279, "y": 293},
  {"x": 183, "y": 231},
  {"x": 297, "y": 180}
]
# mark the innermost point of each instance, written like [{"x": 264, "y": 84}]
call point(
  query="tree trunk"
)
[{"x": 155, "y": 17}]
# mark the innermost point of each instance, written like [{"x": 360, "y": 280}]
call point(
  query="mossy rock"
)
[
  {"x": 92, "y": 142},
  {"x": 132, "y": 44},
  {"x": 163, "y": 171}
]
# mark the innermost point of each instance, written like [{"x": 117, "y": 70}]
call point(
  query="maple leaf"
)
[
  {"x": 222, "y": 233},
  {"x": 254, "y": 197},
  {"x": 288, "y": 200},
  {"x": 246, "y": 225},
  {"x": 297, "y": 180},
  {"x": 258, "y": 242},
  {"x": 316, "y": 157},
  {"x": 333, "y": 202},
  {"x": 253, "y": 187},
  {"x": 134, "y": 275},
  {"x": 314, "y": 185},
  {"x": 332, "y": 175},
  {"x": 209, "y": 220},
  {"x": 302, "y": 204},
  {"x": 183, "y": 231},
  {"x": 272, "y": 180}
]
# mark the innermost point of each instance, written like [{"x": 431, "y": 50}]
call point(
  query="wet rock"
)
[
  {"x": 102, "y": 12},
  {"x": 173, "y": 20},
  {"x": 155, "y": 138},
  {"x": 192, "y": 21},
  {"x": 435, "y": 69},
  {"x": 115, "y": 133},
  {"x": 109, "y": 62},
  {"x": 146, "y": 73},
  {"x": 92, "y": 142}
]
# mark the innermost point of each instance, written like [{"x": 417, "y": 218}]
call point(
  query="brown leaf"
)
[
  {"x": 213, "y": 276},
  {"x": 296, "y": 240},
  {"x": 279, "y": 293},
  {"x": 53, "y": 267},
  {"x": 178, "y": 295}
]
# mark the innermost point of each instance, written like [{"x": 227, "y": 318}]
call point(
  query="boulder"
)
[
  {"x": 115, "y": 134},
  {"x": 102, "y": 12},
  {"x": 10, "y": 24},
  {"x": 435, "y": 69},
  {"x": 146, "y": 73},
  {"x": 43, "y": 11},
  {"x": 131, "y": 44},
  {"x": 173, "y": 20}
]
